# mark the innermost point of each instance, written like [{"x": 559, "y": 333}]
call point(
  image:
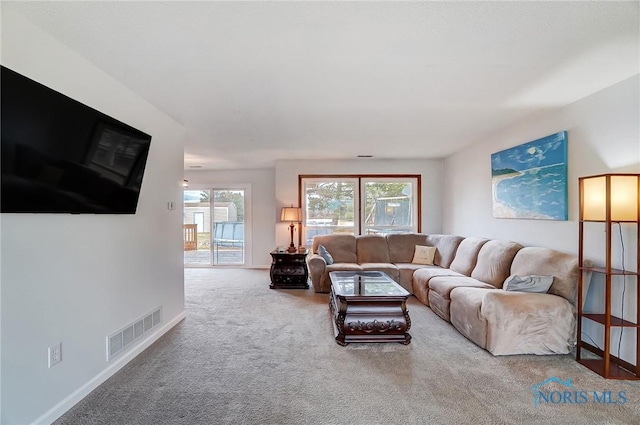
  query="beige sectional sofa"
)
[{"x": 464, "y": 285}]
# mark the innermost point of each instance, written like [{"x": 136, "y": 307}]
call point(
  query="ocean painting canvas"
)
[{"x": 530, "y": 180}]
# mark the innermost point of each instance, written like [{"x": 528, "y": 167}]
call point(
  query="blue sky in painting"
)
[{"x": 539, "y": 153}]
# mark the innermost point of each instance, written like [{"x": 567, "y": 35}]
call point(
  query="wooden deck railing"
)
[{"x": 190, "y": 237}]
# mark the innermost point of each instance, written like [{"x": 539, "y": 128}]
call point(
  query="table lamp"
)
[{"x": 292, "y": 215}]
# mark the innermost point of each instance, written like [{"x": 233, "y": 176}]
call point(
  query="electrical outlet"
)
[{"x": 55, "y": 354}]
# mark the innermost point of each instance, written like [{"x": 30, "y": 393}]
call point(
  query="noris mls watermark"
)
[{"x": 543, "y": 393}]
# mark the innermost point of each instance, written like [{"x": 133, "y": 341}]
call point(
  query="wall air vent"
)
[{"x": 120, "y": 340}]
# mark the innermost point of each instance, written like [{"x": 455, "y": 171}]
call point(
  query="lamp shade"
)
[
  {"x": 619, "y": 191},
  {"x": 292, "y": 214}
]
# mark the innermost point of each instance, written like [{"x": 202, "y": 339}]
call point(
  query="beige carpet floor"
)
[{"x": 247, "y": 354}]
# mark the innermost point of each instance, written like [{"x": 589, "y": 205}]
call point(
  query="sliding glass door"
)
[
  {"x": 215, "y": 227},
  {"x": 227, "y": 241}
]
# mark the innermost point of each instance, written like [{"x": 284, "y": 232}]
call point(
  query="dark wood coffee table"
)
[{"x": 368, "y": 307}]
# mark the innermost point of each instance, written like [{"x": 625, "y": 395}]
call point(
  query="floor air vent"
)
[{"x": 117, "y": 342}]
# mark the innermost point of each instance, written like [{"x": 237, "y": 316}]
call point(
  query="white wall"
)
[
  {"x": 287, "y": 172},
  {"x": 262, "y": 183},
  {"x": 78, "y": 278},
  {"x": 603, "y": 136}
]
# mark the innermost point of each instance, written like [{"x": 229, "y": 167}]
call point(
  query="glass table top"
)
[{"x": 365, "y": 284}]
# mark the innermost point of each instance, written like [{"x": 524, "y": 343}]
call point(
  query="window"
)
[
  {"x": 329, "y": 207},
  {"x": 359, "y": 205},
  {"x": 389, "y": 205}
]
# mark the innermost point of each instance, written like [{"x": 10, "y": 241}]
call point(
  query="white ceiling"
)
[{"x": 254, "y": 82}]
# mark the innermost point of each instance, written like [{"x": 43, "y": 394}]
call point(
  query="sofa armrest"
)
[
  {"x": 317, "y": 266},
  {"x": 528, "y": 323}
]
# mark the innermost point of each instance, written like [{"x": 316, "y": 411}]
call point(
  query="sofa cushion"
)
[
  {"x": 372, "y": 249},
  {"x": 424, "y": 274},
  {"x": 325, "y": 280},
  {"x": 390, "y": 269},
  {"x": 424, "y": 255},
  {"x": 446, "y": 247},
  {"x": 465, "y": 311},
  {"x": 545, "y": 261},
  {"x": 421, "y": 291},
  {"x": 341, "y": 246},
  {"x": 421, "y": 278},
  {"x": 467, "y": 255},
  {"x": 405, "y": 274},
  {"x": 440, "y": 289},
  {"x": 401, "y": 246},
  {"x": 439, "y": 305},
  {"x": 443, "y": 285},
  {"x": 343, "y": 267},
  {"x": 526, "y": 323},
  {"x": 494, "y": 261}
]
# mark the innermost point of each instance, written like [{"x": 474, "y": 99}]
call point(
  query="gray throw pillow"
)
[
  {"x": 533, "y": 283},
  {"x": 322, "y": 251}
]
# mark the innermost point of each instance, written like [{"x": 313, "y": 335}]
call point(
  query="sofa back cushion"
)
[
  {"x": 549, "y": 262},
  {"x": 402, "y": 246},
  {"x": 446, "y": 247},
  {"x": 494, "y": 262},
  {"x": 467, "y": 255},
  {"x": 341, "y": 247},
  {"x": 372, "y": 249}
]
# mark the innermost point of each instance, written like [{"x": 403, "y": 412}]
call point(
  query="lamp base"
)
[{"x": 292, "y": 247}]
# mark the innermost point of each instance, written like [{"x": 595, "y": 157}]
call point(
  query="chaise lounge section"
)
[
  {"x": 464, "y": 285},
  {"x": 506, "y": 322}
]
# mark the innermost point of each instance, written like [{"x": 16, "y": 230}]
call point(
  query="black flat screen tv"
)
[{"x": 61, "y": 156}]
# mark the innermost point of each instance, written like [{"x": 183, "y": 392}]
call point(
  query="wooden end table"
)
[{"x": 289, "y": 270}]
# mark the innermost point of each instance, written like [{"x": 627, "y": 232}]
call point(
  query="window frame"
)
[{"x": 359, "y": 200}]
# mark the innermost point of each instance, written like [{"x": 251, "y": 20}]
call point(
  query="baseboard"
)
[{"x": 68, "y": 402}]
